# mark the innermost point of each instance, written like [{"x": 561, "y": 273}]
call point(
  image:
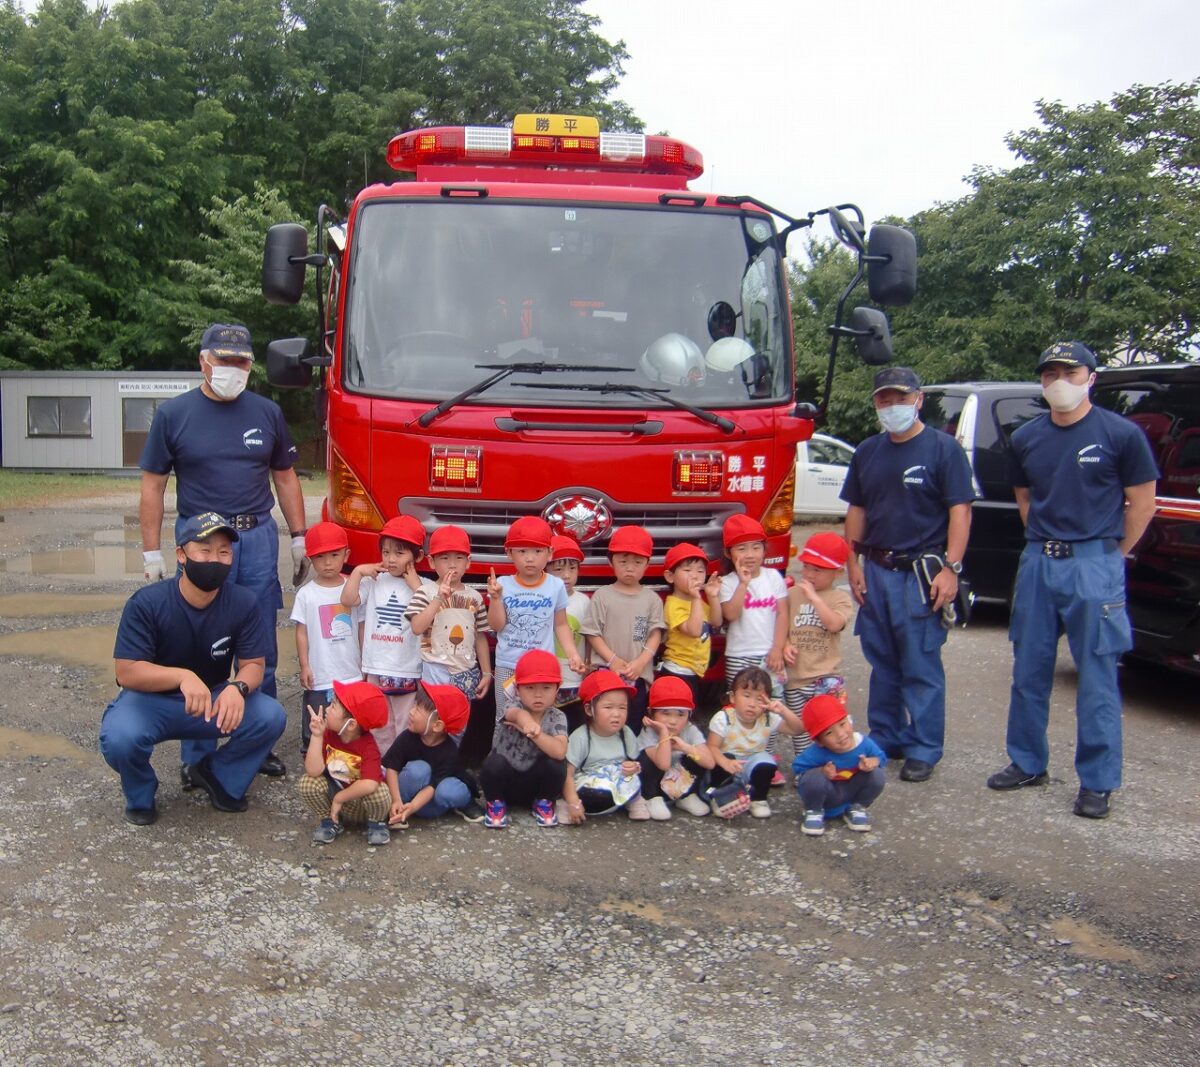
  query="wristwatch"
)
[
  {"x": 955, "y": 565},
  {"x": 241, "y": 687}
]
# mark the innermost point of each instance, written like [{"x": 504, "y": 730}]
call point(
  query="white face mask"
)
[
  {"x": 227, "y": 382},
  {"x": 898, "y": 418},
  {"x": 1064, "y": 396}
]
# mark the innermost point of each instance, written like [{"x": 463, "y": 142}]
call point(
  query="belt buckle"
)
[
  {"x": 245, "y": 522},
  {"x": 1057, "y": 549},
  {"x": 888, "y": 559}
]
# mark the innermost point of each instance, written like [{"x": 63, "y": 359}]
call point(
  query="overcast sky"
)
[{"x": 805, "y": 103}]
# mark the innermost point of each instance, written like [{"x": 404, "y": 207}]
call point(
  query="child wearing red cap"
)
[
  {"x": 326, "y": 631},
  {"x": 425, "y": 776},
  {"x": 753, "y": 602},
  {"x": 625, "y": 626},
  {"x": 528, "y": 609},
  {"x": 674, "y": 757},
  {"x": 603, "y": 772},
  {"x": 840, "y": 773},
  {"x": 343, "y": 780},
  {"x": 451, "y": 620},
  {"x": 529, "y": 746},
  {"x": 391, "y": 652},
  {"x": 817, "y": 616},
  {"x": 691, "y": 610},
  {"x": 565, "y": 559}
]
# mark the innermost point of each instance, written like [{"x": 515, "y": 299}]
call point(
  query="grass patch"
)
[{"x": 36, "y": 489}]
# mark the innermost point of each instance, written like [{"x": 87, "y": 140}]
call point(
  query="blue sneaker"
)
[
  {"x": 327, "y": 831},
  {"x": 813, "y": 824},
  {"x": 857, "y": 819},
  {"x": 496, "y": 816},
  {"x": 543, "y": 813}
]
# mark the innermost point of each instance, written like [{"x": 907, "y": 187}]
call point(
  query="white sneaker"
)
[
  {"x": 760, "y": 809},
  {"x": 658, "y": 809},
  {"x": 638, "y": 809},
  {"x": 693, "y": 805},
  {"x": 562, "y": 812}
]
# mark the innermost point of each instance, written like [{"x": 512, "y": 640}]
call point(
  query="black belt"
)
[
  {"x": 243, "y": 522},
  {"x": 1066, "y": 549},
  {"x": 893, "y": 560}
]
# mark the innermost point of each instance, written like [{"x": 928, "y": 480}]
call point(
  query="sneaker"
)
[
  {"x": 496, "y": 816},
  {"x": 377, "y": 834},
  {"x": 1012, "y": 777},
  {"x": 327, "y": 832},
  {"x": 760, "y": 809},
  {"x": 778, "y": 780},
  {"x": 142, "y": 816},
  {"x": 1091, "y": 804},
  {"x": 693, "y": 805},
  {"x": 813, "y": 824},
  {"x": 856, "y": 818},
  {"x": 638, "y": 809},
  {"x": 543, "y": 813},
  {"x": 658, "y": 809},
  {"x": 471, "y": 812},
  {"x": 562, "y": 812}
]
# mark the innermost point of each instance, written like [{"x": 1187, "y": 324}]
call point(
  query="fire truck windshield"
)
[{"x": 437, "y": 289}]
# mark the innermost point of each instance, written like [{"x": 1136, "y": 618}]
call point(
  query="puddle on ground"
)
[
  {"x": 20, "y": 744},
  {"x": 638, "y": 909},
  {"x": 1087, "y": 941},
  {"x": 38, "y": 605},
  {"x": 103, "y": 561}
]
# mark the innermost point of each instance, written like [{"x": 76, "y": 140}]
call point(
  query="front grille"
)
[{"x": 487, "y": 522}]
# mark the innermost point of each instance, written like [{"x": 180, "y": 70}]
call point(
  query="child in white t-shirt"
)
[
  {"x": 753, "y": 603},
  {"x": 326, "y": 631},
  {"x": 391, "y": 657}
]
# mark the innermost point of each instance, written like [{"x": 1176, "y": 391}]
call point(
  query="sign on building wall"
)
[{"x": 152, "y": 388}]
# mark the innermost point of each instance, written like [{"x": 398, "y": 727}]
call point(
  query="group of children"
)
[{"x": 587, "y": 722}]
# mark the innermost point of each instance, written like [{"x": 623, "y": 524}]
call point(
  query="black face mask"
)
[{"x": 206, "y": 576}]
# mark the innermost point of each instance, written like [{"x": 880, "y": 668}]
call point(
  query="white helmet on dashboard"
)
[{"x": 673, "y": 359}]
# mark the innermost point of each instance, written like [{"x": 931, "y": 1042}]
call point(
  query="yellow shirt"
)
[{"x": 689, "y": 653}]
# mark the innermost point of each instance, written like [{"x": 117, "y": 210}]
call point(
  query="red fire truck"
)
[{"x": 547, "y": 321}]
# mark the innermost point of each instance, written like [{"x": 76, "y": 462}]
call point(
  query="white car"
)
[{"x": 821, "y": 465}]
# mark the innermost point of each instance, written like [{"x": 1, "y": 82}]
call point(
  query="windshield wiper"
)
[
  {"x": 646, "y": 392},
  {"x": 503, "y": 370}
]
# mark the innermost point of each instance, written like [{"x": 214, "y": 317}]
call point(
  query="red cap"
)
[
  {"x": 404, "y": 528},
  {"x": 820, "y": 713},
  {"x": 682, "y": 552},
  {"x": 449, "y": 539},
  {"x": 529, "y": 532},
  {"x": 365, "y": 703},
  {"x": 452, "y": 705},
  {"x": 538, "y": 665},
  {"x": 828, "y": 550},
  {"x": 671, "y": 692},
  {"x": 635, "y": 540},
  {"x": 602, "y": 681},
  {"x": 564, "y": 547},
  {"x": 739, "y": 529},
  {"x": 325, "y": 537}
]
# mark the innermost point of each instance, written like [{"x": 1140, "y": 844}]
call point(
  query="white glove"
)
[
  {"x": 152, "y": 566},
  {"x": 300, "y": 564}
]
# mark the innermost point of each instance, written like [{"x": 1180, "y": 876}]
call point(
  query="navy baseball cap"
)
[
  {"x": 1069, "y": 354},
  {"x": 223, "y": 340},
  {"x": 902, "y": 378},
  {"x": 203, "y": 526}
]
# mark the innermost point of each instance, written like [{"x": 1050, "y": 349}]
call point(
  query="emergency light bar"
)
[{"x": 558, "y": 141}]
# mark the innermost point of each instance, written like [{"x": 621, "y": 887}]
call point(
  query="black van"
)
[
  {"x": 1163, "y": 576},
  {"x": 982, "y": 417}
]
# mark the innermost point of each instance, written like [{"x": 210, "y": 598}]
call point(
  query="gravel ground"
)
[{"x": 969, "y": 928}]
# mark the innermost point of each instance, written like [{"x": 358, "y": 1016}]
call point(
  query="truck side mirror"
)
[
  {"x": 891, "y": 265},
  {"x": 286, "y": 366},
  {"x": 872, "y": 335},
  {"x": 284, "y": 259}
]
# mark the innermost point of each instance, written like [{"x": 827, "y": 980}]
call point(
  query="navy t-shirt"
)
[
  {"x": 908, "y": 488},
  {"x": 1077, "y": 475},
  {"x": 160, "y": 627},
  {"x": 222, "y": 451}
]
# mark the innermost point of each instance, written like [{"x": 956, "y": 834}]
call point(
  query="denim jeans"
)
[{"x": 448, "y": 795}]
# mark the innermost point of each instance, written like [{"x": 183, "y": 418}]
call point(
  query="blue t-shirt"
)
[
  {"x": 908, "y": 488},
  {"x": 818, "y": 755},
  {"x": 160, "y": 627},
  {"x": 1077, "y": 475},
  {"x": 222, "y": 452},
  {"x": 529, "y": 617}
]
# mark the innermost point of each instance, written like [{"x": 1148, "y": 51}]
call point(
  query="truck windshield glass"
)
[{"x": 438, "y": 288}]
